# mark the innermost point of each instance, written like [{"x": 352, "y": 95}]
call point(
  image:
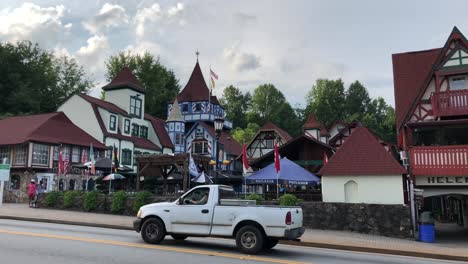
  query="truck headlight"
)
[{"x": 139, "y": 214}]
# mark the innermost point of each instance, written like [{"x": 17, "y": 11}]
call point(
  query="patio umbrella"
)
[{"x": 112, "y": 176}]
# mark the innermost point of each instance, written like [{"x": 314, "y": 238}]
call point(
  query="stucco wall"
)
[
  {"x": 121, "y": 98},
  {"x": 81, "y": 113},
  {"x": 370, "y": 189}
]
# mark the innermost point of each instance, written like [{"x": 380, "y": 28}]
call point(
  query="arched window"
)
[
  {"x": 15, "y": 182},
  {"x": 351, "y": 192}
]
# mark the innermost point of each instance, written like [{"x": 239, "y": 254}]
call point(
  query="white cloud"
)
[
  {"x": 240, "y": 61},
  {"x": 151, "y": 14},
  {"x": 175, "y": 10},
  {"x": 109, "y": 16},
  {"x": 93, "y": 55},
  {"x": 33, "y": 22},
  {"x": 145, "y": 46}
]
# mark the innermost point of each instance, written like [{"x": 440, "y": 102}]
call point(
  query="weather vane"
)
[{"x": 197, "y": 53}]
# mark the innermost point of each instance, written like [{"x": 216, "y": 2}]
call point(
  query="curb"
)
[
  {"x": 284, "y": 242},
  {"x": 376, "y": 250}
]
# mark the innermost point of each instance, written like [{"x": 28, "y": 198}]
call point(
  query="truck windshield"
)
[{"x": 227, "y": 193}]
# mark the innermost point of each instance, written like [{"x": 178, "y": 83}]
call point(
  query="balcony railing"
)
[
  {"x": 450, "y": 103},
  {"x": 439, "y": 160}
]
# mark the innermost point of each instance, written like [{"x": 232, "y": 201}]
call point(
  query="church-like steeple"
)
[
  {"x": 175, "y": 126},
  {"x": 125, "y": 79},
  {"x": 175, "y": 114},
  {"x": 196, "y": 88}
]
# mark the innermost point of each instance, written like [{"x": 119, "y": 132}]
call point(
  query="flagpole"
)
[{"x": 209, "y": 94}]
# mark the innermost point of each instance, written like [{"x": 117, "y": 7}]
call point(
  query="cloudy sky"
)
[{"x": 247, "y": 43}]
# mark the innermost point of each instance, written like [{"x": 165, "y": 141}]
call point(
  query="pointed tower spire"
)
[{"x": 175, "y": 115}]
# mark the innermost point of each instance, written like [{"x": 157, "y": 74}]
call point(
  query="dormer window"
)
[
  {"x": 143, "y": 132},
  {"x": 112, "y": 122},
  {"x": 185, "y": 108},
  {"x": 457, "y": 83},
  {"x": 127, "y": 126},
  {"x": 135, "y": 106},
  {"x": 135, "y": 130}
]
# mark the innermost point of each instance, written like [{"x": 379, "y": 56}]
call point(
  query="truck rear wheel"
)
[
  {"x": 271, "y": 243},
  {"x": 153, "y": 231},
  {"x": 249, "y": 240}
]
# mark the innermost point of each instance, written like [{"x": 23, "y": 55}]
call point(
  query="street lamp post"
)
[{"x": 218, "y": 125}]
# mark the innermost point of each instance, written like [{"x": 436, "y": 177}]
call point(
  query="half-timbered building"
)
[
  {"x": 431, "y": 104},
  {"x": 263, "y": 141}
]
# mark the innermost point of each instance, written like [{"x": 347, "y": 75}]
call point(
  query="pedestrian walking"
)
[{"x": 32, "y": 188}]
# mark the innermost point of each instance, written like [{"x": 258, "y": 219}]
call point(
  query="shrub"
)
[
  {"x": 289, "y": 200},
  {"x": 258, "y": 198},
  {"x": 52, "y": 199},
  {"x": 141, "y": 198},
  {"x": 68, "y": 198},
  {"x": 90, "y": 201},
  {"x": 118, "y": 202}
]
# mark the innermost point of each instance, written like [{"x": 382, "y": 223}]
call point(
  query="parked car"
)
[{"x": 213, "y": 211}]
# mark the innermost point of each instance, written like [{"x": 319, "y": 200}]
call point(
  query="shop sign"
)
[{"x": 442, "y": 180}]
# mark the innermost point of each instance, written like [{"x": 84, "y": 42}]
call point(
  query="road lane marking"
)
[{"x": 149, "y": 246}]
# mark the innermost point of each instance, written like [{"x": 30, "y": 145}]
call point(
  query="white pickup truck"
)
[{"x": 212, "y": 211}]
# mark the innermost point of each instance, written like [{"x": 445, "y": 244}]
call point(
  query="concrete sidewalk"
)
[{"x": 314, "y": 238}]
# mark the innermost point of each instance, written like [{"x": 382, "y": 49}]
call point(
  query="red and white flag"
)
[
  {"x": 325, "y": 158},
  {"x": 60, "y": 162},
  {"x": 277, "y": 159},
  {"x": 66, "y": 165},
  {"x": 83, "y": 156},
  {"x": 245, "y": 163}
]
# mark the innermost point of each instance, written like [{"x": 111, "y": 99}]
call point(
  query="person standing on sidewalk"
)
[{"x": 32, "y": 188}]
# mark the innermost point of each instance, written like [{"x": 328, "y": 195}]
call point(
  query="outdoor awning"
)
[{"x": 290, "y": 174}]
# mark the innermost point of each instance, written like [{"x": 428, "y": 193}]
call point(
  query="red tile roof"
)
[
  {"x": 312, "y": 123},
  {"x": 125, "y": 78},
  {"x": 270, "y": 126},
  {"x": 52, "y": 128},
  {"x": 196, "y": 89},
  {"x": 159, "y": 127},
  {"x": 410, "y": 71},
  {"x": 103, "y": 104},
  {"x": 230, "y": 144},
  {"x": 362, "y": 154}
]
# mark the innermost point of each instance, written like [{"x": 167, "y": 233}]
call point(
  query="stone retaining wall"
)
[{"x": 376, "y": 219}]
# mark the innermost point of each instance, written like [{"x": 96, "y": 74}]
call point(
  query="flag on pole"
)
[
  {"x": 91, "y": 156},
  {"x": 83, "y": 156},
  {"x": 66, "y": 164},
  {"x": 116, "y": 160},
  {"x": 245, "y": 163},
  {"x": 193, "y": 167},
  {"x": 213, "y": 77},
  {"x": 277, "y": 159},
  {"x": 60, "y": 162},
  {"x": 325, "y": 158}
]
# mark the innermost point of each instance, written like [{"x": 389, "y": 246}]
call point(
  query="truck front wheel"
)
[
  {"x": 250, "y": 240},
  {"x": 153, "y": 231}
]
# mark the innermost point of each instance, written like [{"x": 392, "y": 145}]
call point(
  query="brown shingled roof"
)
[
  {"x": 52, "y": 128},
  {"x": 270, "y": 126},
  {"x": 196, "y": 88},
  {"x": 125, "y": 78},
  {"x": 103, "y": 104},
  {"x": 312, "y": 123},
  {"x": 362, "y": 154},
  {"x": 159, "y": 127}
]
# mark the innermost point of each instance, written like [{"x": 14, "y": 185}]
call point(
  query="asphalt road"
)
[{"x": 41, "y": 243}]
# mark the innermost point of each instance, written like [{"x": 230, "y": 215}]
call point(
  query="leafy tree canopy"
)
[
  {"x": 33, "y": 80},
  {"x": 160, "y": 83},
  {"x": 236, "y": 105}
]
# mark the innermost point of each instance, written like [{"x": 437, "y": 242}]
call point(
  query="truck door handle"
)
[{"x": 205, "y": 211}]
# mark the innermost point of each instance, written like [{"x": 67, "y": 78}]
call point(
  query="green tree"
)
[
  {"x": 327, "y": 101},
  {"x": 33, "y": 80},
  {"x": 381, "y": 119},
  {"x": 357, "y": 101},
  {"x": 236, "y": 105},
  {"x": 244, "y": 136},
  {"x": 160, "y": 83}
]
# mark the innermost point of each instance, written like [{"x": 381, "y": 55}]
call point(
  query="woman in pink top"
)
[{"x": 32, "y": 188}]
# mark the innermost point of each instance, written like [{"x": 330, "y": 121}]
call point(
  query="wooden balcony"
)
[
  {"x": 450, "y": 103},
  {"x": 439, "y": 160}
]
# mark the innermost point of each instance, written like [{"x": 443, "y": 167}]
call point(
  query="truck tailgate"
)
[{"x": 296, "y": 217}]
